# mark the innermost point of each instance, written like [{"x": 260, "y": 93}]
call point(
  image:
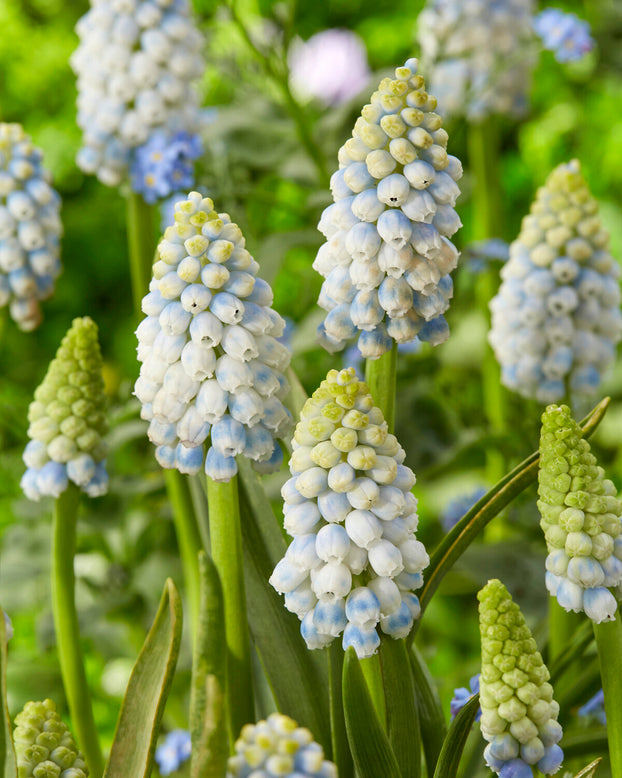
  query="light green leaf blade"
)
[
  {"x": 371, "y": 750},
  {"x": 7, "y": 752},
  {"x": 453, "y": 746},
  {"x": 138, "y": 724},
  {"x": 208, "y": 722},
  {"x": 432, "y": 722}
]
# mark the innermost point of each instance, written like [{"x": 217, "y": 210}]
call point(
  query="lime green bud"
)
[{"x": 44, "y": 746}]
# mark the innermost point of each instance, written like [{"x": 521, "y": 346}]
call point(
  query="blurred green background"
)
[{"x": 256, "y": 168}]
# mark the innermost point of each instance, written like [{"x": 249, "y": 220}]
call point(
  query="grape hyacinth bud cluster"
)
[
  {"x": 580, "y": 518},
  {"x": 278, "y": 748},
  {"x": 44, "y": 746},
  {"x": 556, "y": 318},
  {"x": 354, "y": 562},
  {"x": 479, "y": 55},
  {"x": 67, "y": 420},
  {"x": 135, "y": 64},
  {"x": 30, "y": 228},
  {"x": 212, "y": 369},
  {"x": 519, "y": 714},
  {"x": 387, "y": 255}
]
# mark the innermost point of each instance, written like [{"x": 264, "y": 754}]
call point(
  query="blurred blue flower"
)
[
  {"x": 479, "y": 254},
  {"x": 352, "y": 357},
  {"x": 288, "y": 332},
  {"x": 175, "y": 750},
  {"x": 456, "y": 508},
  {"x": 567, "y": 36},
  {"x": 463, "y": 695},
  {"x": 163, "y": 165},
  {"x": 8, "y": 627},
  {"x": 595, "y": 707}
]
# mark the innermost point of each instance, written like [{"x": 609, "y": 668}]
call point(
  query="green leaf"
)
[
  {"x": 585, "y": 743},
  {"x": 298, "y": 677},
  {"x": 7, "y": 752},
  {"x": 432, "y": 722},
  {"x": 401, "y": 707},
  {"x": 342, "y": 756},
  {"x": 453, "y": 746},
  {"x": 590, "y": 770},
  {"x": 575, "y": 649},
  {"x": 145, "y": 697},
  {"x": 208, "y": 722},
  {"x": 371, "y": 750},
  {"x": 458, "y": 539}
]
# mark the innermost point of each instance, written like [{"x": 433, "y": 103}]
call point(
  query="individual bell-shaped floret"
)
[
  {"x": 556, "y": 318},
  {"x": 479, "y": 55},
  {"x": 67, "y": 420},
  {"x": 519, "y": 714},
  {"x": 212, "y": 378},
  {"x": 580, "y": 518},
  {"x": 278, "y": 747},
  {"x": 354, "y": 562},
  {"x": 388, "y": 253},
  {"x": 44, "y": 746},
  {"x": 30, "y": 228},
  {"x": 135, "y": 66}
]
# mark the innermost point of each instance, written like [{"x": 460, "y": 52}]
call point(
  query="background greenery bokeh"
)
[{"x": 256, "y": 169}]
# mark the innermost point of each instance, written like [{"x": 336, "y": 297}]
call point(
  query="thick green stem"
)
[
  {"x": 380, "y": 378},
  {"x": 342, "y": 755},
  {"x": 226, "y": 543},
  {"x": 188, "y": 537},
  {"x": 561, "y": 628},
  {"x": 609, "y": 643},
  {"x": 141, "y": 244},
  {"x": 67, "y": 630}
]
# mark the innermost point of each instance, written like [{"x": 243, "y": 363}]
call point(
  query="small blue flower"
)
[
  {"x": 595, "y": 707},
  {"x": 567, "y": 36},
  {"x": 463, "y": 695},
  {"x": 163, "y": 164},
  {"x": 175, "y": 750},
  {"x": 456, "y": 508}
]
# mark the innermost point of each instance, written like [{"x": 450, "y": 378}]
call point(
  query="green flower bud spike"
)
[
  {"x": 580, "y": 518},
  {"x": 519, "y": 715},
  {"x": 44, "y": 746},
  {"x": 67, "y": 420}
]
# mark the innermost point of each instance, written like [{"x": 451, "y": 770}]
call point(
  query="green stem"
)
[
  {"x": 226, "y": 542},
  {"x": 141, "y": 244},
  {"x": 67, "y": 630},
  {"x": 342, "y": 755},
  {"x": 561, "y": 628},
  {"x": 380, "y": 377},
  {"x": 609, "y": 643},
  {"x": 188, "y": 537}
]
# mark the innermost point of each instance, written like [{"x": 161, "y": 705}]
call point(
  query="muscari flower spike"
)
[
  {"x": 387, "y": 255},
  {"x": 567, "y": 36},
  {"x": 67, "y": 420},
  {"x": 135, "y": 64},
  {"x": 44, "y": 746},
  {"x": 556, "y": 318},
  {"x": 30, "y": 228},
  {"x": 354, "y": 562},
  {"x": 278, "y": 748},
  {"x": 212, "y": 369},
  {"x": 479, "y": 55},
  {"x": 174, "y": 751},
  {"x": 519, "y": 714},
  {"x": 580, "y": 518}
]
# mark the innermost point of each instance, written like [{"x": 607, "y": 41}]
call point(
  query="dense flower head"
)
[
  {"x": 44, "y": 746},
  {"x": 331, "y": 66},
  {"x": 278, "y": 748},
  {"x": 30, "y": 228},
  {"x": 519, "y": 714},
  {"x": 135, "y": 65},
  {"x": 580, "y": 518},
  {"x": 67, "y": 420},
  {"x": 212, "y": 373},
  {"x": 479, "y": 55},
  {"x": 354, "y": 562},
  {"x": 556, "y": 318},
  {"x": 174, "y": 751},
  {"x": 387, "y": 255},
  {"x": 164, "y": 165},
  {"x": 564, "y": 34}
]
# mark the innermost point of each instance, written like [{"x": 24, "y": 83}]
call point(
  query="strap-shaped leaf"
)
[
  {"x": 208, "y": 723},
  {"x": 371, "y": 750},
  {"x": 590, "y": 770},
  {"x": 402, "y": 715},
  {"x": 432, "y": 722},
  {"x": 458, "y": 539},
  {"x": 453, "y": 746},
  {"x": 342, "y": 756},
  {"x": 594, "y": 741},
  {"x": 7, "y": 752},
  {"x": 138, "y": 724},
  {"x": 298, "y": 677}
]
